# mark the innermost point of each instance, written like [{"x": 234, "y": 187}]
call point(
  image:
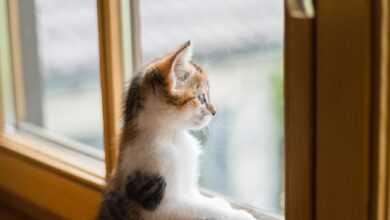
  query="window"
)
[
  {"x": 50, "y": 81},
  {"x": 240, "y": 45},
  {"x": 51, "y": 75},
  {"x": 59, "y": 77},
  {"x": 51, "y": 100},
  {"x": 69, "y": 70}
]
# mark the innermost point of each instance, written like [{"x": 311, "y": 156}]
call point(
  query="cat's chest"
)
[
  {"x": 181, "y": 157},
  {"x": 181, "y": 165}
]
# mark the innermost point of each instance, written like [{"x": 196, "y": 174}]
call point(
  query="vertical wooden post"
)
[
  {"x": 17, "y": 64},
  {"x": 344, "y": 108},
  {"x": 111, "y": 73},
  {"x": 136, "y": 34},
  {"x": 379, "y": 201},
  {"x": 27, "y": 76},
  {"x": 299, "y": 118},
  {"x": 3, "y": 25}
]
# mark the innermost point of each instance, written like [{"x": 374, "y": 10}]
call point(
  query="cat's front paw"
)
[
  {"x": 242, "y": 215},
  {"x": 221, "y": 202}
]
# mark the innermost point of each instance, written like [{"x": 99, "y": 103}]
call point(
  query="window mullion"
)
[
  {"x": 2, "y": 110},
  {"x": 16, "y": 66},
  {"x": 131, "y": 41},
  {"x": 135, "y": 34},
  {"x": 344, "y": 71},
  {"x": 380, "y": 116},
  {"x": 299, "y": 118},
  {"x": 3, "y": 11},
  {"x": 19, "y": 78},
  {"x": 110, "y": 76}
]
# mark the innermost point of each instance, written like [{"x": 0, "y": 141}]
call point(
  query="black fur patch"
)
[
  {"x": 146, "y": 190},
  {"x": 114, "y": 207},
  {"x": 134, "y": 100},
  {"x": 143, "y": 191}
]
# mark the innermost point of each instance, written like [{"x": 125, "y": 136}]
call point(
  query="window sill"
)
[
  {"x": 61, "y": 160},
  {"x": 262, "y": 216},
  {"x": 259, "y": 215},
  {"x": 66, "y": 190}
]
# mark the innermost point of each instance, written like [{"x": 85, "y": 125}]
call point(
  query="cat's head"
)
[{"x": 175, "y": 91}]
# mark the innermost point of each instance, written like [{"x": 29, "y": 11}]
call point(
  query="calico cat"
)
[{"x": 158, "y": 166}]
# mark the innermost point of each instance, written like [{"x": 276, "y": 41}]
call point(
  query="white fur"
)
[{"x": 165, "y": 147}]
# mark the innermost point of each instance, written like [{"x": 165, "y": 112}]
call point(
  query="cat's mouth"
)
[{"x": 202, "y": 121}]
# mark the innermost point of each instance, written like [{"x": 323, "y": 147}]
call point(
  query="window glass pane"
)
[
  {"x": 240, "y": 45},
  {"x": 60, "y": 56}
]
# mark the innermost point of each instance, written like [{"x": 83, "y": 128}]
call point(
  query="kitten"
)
[{"x": 158, "y": 167}]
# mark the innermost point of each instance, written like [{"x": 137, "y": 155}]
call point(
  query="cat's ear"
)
[
  {"x": 183, "y": 55},
  {"x": 180, "y": 58}
]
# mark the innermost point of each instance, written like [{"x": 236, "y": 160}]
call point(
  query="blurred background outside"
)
[{"x": 239, "y": 44}]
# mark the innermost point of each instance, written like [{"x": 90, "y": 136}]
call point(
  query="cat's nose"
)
[{"x": 211, "y": 109}]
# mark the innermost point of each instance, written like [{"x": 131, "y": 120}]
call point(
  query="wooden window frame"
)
[
  {"x": 338, "y": 166},
  {"x": 344, "y": 109},
  {"x": 111, "y": 74},
  {"x": 299, "y": 96},
  {"x": 380, "y": 164},
  {"x": 61, "y": 174},
  {"x": 47, "y": 167}
]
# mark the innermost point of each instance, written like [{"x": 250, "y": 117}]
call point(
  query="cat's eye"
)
[{"x": 202, "y": 98}]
